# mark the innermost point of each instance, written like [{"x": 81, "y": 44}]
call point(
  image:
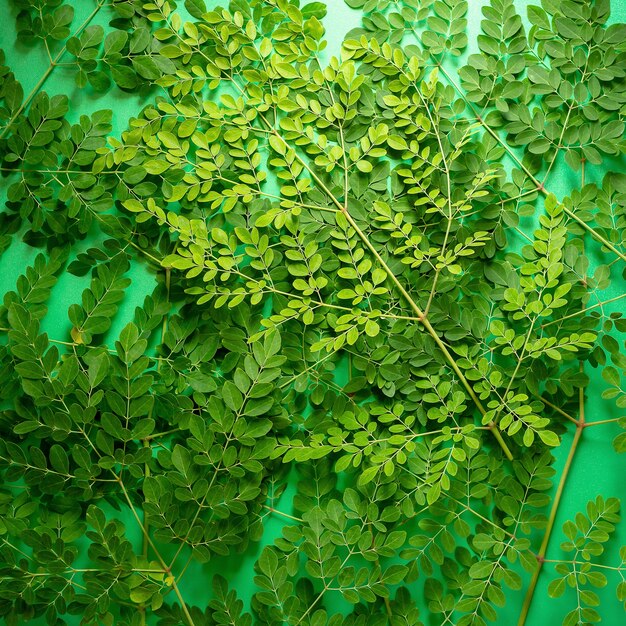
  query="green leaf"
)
[
  {"x": 556, "y": 588},
  {"x": 549, "y": 438},
  {"x": 196, "y": 8},
  {"x": 232, "y": 396},
  {"x": 538, "y": 16},
  {"x": 146, "y": 67},
  {"x": 297, "y": 281},
  {"x": 59, "y": 460}
]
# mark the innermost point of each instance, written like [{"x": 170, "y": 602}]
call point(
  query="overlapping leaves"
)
[{"x": 339, "y": 304}]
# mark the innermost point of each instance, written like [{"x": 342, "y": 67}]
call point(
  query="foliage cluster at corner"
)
[{"x": 365, "y": 288}]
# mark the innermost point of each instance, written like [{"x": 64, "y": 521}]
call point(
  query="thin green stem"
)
[
  {"x": 550, "y": 525},
  {"x": 559, "y": 147},
  {"x": 584, "y": 311},
  {"x": 162, "y": 434},
  {"x": 146, "y": 523},
  {"x": 598, "y": 565},
  {"x": 596, "y": 235},
  {"x": 613, "y": 420},
  {"x": 449, "y": 198},
  {"x": 166, "y": 569},
  {"x": 30, "y": 96},
  {"x": 517, "y": 367},
  {"x": 541, "y": 555},
  {"x": 145, "y": 253},
  {"x": 557, "y": 409},
  {"x": 469, "y": 509},
  {"x": 286, "y": 515},
  {"x": 140, "y": 523}
]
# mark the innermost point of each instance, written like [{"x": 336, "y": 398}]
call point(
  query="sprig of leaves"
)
[{"x": 342, "y": 303}]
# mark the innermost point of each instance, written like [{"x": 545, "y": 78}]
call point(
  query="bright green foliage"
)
[
  {"x": 127, "y": 55},
  {"x": 54, "y": 160},
  {"x": 11, "y": 92},
  {"x": 586, "y": 536},
  {"x": 49, "y": 20},
  {"x": 571, "y": 64},
  {"x": 99, "y": 302},
  {"x": 366, "y": 294}
]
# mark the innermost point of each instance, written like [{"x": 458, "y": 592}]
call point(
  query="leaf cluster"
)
[{"x": 371, "y": 319}]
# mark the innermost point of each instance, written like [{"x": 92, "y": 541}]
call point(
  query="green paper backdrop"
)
[{"x": 596, "y": 470}]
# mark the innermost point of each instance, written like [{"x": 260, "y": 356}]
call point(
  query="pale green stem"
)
[
  {"x": 166, "y": 569},
  {"x": 550, "y": 525},
  {"x": 584, "y": 311},
  {"x": 286, "y": 515},
  {"x": 613, "y": 420}
]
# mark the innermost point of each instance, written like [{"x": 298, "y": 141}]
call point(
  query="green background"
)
[{"x": 596, "y": 469}]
